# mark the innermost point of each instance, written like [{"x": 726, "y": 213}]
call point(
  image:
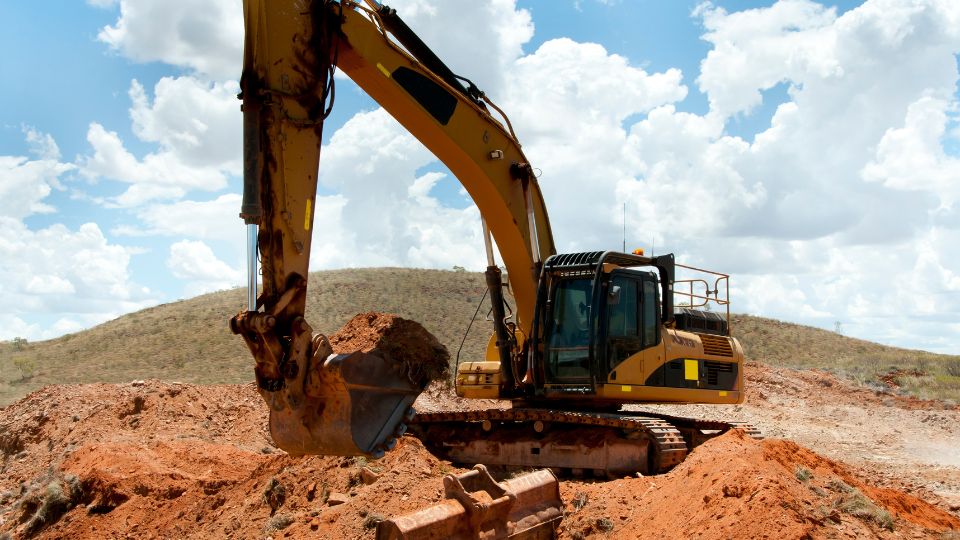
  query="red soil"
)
[
  {"x": 395, "y": 338},
  {"x": 167, "y": 460}
]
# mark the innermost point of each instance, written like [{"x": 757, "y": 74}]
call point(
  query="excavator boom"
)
[{"x": 355, "y": 404}]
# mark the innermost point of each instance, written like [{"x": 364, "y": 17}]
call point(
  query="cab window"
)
[
  {"x": 650, "y": 313},
  {"x": 568, "y": 342},
  {"x": 623, "y": 313}
]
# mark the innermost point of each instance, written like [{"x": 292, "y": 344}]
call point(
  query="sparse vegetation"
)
[
  {"x": 45, "y": 505},
  {"x": 580, "y": 500},
  {"x": 189, "y": 341},
  {"x": 278, "y": 522},
  {"x": 852, "y": 501},
  {"x": 803, "y": 474},
  {"x": 26, "y": 366},
  {"x": 604, "y": 524},
  {"x": 918, "y": 373},
  {"x": 274, "y": 495}
]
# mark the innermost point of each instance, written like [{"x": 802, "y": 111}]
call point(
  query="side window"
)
[
  {"x": 649, "y": 313},
  {"x": 622, "y": 307},
  {"x": 623, "y": 317}
]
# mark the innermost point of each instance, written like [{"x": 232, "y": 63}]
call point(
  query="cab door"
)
[{"x": 632, "y": 326}]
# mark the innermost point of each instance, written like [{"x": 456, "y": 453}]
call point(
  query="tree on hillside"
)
[{"x": 19, "y": 343}]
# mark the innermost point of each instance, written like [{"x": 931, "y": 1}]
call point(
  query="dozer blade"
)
[{"x": 527, "y": 507}]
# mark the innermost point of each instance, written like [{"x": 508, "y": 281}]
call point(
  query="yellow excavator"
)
[{"x": 587, "y": 332}]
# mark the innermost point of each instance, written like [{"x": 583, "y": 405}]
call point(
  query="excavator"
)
[{"x": 587, "y": 333}]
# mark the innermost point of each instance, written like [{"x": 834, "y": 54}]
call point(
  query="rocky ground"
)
[{"x": 153, "y": 459}]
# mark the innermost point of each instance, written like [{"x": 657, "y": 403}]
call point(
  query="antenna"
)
[
  {"x": 624, "y": 227},
  {"x": 653, "y": 246}
]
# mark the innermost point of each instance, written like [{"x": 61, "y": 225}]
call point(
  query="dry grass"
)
[
  {"x": 791, "y": 345},
  {"x": 852, "y": 501},
  {"x": 189, "y": 340}
]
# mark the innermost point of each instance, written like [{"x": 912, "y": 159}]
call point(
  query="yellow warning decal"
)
[
  {"x": 723, "y": 393},
  {"x": 306, "y": 217},
  {"x": 691, "y": 370},
  {"x": 385, "y": 71},
  {"x": 625, "y": 388}
]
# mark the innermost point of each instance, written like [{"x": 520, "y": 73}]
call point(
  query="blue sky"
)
[{"x": 801, "y": 146}]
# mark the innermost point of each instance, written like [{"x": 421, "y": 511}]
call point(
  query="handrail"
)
[{"x": 709, "y": 295}]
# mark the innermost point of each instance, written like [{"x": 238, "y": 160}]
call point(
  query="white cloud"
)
[
  {"x": 194, "y": 261},
  {"x": 42, "y": 145},
  {"x": 206, "y": 220},
  {"x": 477, "y": 40},
  {"x": 77, "y": 273},
  {"x": 158, "y": 176},
  {"x": 912, "y": 158},
  {"x": 25, "y": 183},
  {"x": 57, "y": 270},
  {"x": 755, "y": 49},
  {"x": 198, "y": 122},
  {"x": 384, "y": 214},
  {"x": 567, "y": 87},
  {"x": 197, "y": 126},
  {"x": 206, "y": 37}
]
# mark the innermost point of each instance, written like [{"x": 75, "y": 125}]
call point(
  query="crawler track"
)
[{"x": 604, "y": 443}]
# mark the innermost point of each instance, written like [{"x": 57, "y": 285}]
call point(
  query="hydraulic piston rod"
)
[{"x": 251, "y": 267}]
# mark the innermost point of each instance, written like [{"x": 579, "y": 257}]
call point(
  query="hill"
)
[{"x": 189, "y": 340}]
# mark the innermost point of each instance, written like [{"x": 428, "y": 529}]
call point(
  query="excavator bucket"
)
[
  {"x": 352, "y": 401},
  {"x": 527, "y": 507},
  {"x": 354, "y": 404}
]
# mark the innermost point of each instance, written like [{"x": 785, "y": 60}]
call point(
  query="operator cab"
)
[
  {"x": 597, "y": 309},
  {"x": 628, "y": 308}
]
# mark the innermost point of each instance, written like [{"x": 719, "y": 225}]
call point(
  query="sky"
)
[{"x": 810, "y": 150}]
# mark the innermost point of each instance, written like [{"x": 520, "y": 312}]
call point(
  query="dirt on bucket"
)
[{"x": 394, "y": 338}]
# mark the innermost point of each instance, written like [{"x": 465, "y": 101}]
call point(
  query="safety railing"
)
[{"x": 697, "y": 292}]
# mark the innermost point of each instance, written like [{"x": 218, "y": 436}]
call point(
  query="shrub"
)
[
  {"x": 580, "y": 500},
  {"x": 604, "y": 524},
  {"x": 26, "y": 365},
  {"x": 855, "y": 503},
  {"x": 278, "y": 522}
]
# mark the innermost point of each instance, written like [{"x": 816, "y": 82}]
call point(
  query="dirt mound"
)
[
  {"x": 395, "y": 338},
  {"x": 167, "y": 460},
  {"x": 736, "y": 487}
]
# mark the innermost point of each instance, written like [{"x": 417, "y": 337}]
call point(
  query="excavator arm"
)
[{"x": 355, "y": 404}]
